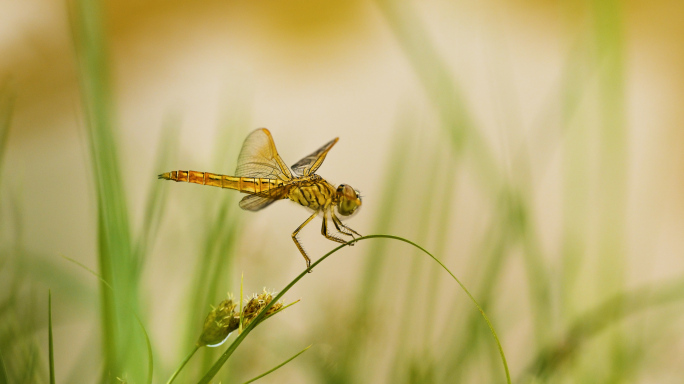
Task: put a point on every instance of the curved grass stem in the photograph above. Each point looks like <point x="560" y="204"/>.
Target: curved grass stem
<point x="233" y="346"/>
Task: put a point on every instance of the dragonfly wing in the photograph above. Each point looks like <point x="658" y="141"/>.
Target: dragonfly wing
<point x="259" y="158"/>
<point x="255" y="202"/>
<point x="263" y="199"/>
<point x="310" y="164"/>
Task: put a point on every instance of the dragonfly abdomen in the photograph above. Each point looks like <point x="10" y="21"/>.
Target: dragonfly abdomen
<point x="250" y="185"/>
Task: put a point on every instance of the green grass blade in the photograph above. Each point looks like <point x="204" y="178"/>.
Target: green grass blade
<point x="441" y="88"/>
<point x="150" y="357"/>
<point x="601" y="317"/>
<point x="460" y="126"/>
<point x="412" y="285"/>
<point x="615" y="162"/>
<point x="387" y="212"/>
<point x="51" y="352"/>
<point x="30" y="373"/>
<point x="277" y="366"/>
<point x="220" y="237"/>
<point x="6" y="111"/>
<point x="154" y="212"/>
<point x="100" y="278"/>
<point x="447" y="202"/>
<point x="376" y="256"/>
<point x="185" y="361"/>
<point x="3" y="371"/>
<point x="115" y="256"/>
<point x="242" y="299"/>
<point x="233" y="346"/>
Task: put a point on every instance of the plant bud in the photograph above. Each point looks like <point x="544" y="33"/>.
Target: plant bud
<point x="218" y="325"/>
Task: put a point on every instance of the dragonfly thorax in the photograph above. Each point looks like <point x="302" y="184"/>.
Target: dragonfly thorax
<point x="312" y="192"/>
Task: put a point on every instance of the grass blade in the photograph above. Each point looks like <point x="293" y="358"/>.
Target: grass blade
<point x="185" y="361"/>
<point x="411" y="287"/>
<point x="277" y="366"/>
<point x="116" y="263"/>
<point x="3" y="371"/>
<point x="592" y="322"/>
<point x="224" y="357"/>
<point x="154" y="204"/>
<point x="150" y="358"/>
<point x="442" y="90"/>
<point x="50" y="343"/>
<point x="5" y="120"/>
<point x="460" y="126"/>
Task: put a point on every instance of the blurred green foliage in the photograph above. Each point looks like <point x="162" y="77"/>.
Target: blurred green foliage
<point x="430" y="340"/>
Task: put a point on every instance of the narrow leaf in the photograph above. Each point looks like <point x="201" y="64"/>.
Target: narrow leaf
<point x="150" y="358"/>
<point x="3" y="370"/>
<point x="50" y="343"/>
<point x="277" y="366"/>
<point x="185" y="361"/>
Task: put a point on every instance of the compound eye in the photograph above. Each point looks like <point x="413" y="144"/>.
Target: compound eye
<point x="349" y="192"/>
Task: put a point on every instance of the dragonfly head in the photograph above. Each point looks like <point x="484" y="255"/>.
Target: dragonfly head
<point x="350" y="200"/>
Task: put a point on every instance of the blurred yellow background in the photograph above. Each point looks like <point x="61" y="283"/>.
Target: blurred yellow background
<point x="574" y="108"/>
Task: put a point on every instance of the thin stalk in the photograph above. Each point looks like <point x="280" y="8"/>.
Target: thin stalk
<point x="3" y="370"/>
<point x="460" y="126"/>
<point x="115" y="258"/>
<point x="242" y="282"/>
<point x="613" y="168"/>
<point x="5" y="120"/>
<point x="185" y="361"/>
<point x="278" y="366"/>
<point x="224" y="357"/>
<point x="374" y="264"/>
<point x="407" y="323"/>
<point x="51" y="352"/>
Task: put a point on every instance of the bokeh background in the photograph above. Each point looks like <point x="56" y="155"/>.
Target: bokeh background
<point x="536" y="148"/>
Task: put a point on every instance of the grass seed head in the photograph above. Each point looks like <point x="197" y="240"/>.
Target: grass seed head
<point x="220" y="322"/>
<point x="256" y="303"/>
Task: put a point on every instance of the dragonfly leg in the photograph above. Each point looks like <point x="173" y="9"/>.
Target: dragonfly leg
<point x="341" y="230"/>
<point x="340" y="227"/>
<point x="324" y="230"/>
<point x="299" y="246"/>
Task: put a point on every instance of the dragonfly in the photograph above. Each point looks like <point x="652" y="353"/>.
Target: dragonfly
<point x="262" y="174"/>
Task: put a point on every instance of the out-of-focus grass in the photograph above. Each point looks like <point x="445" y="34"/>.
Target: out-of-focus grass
<point x="551" y="359"/>
<point x="435" y="339"/>
<point x="51" y="347"/>
<point x="6" y="110"/>
<point x="278" y="366"/>
<point x="116" y="257"/>
<point x="3" y="370"/>
<point x="215" y="265"/>
<point x="346" y="369"/>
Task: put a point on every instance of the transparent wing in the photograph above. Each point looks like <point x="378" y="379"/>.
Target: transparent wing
<point x="263" y="199"/>
<point x="259" y="158"/>
<point x="310" y="164"/>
